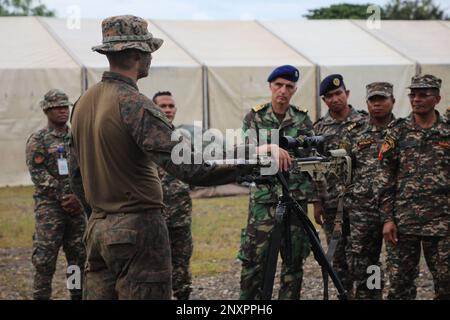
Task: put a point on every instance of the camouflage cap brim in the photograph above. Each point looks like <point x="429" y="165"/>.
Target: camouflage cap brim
<point x="45" y="105"/>
<point x="146" y="46"/>
<point x="422" y="86"/>
<point x="378" y="93"/>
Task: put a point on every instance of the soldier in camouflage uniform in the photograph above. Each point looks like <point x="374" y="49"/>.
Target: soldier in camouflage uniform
<point x="413" y="183"/>
<point x="340" y="116"/>
<point x="363" y="140"/>
<point x="60" y="221"/>
<point x="119" y="137"/>
<point x="255" y="239"/>
<point x="177" y="213"/>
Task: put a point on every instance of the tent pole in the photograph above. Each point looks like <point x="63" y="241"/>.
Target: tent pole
<point x="318" y="103"/>
<point x="205" y="90"/>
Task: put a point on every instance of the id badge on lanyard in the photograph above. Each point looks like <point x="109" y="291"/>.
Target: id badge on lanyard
<point x="63" y="167"/>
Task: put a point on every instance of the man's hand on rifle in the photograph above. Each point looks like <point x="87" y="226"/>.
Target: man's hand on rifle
<point x="281" y="156"/>
<point x="319" y="212"/>
<point x="390" y="232"/>
<point x="71" y="204"/>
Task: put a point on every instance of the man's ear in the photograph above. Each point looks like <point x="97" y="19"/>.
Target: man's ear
<point x="438" y="99"/>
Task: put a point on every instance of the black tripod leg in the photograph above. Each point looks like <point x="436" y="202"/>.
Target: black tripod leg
<point x="314" y="240"/>
<point x="270" y="266"/>
<point x="287" y="241"/>
<point x="319" y="255"/>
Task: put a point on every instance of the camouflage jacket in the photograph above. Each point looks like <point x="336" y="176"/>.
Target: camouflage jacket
<point x="363" y="140"/>
<point x="295" y="123"/>
<point x="177" y="201"/>
<point x="333" y="132"/>
<point x="414" y="175"/>
<point x="42" y="161"/>
<point x="112" y="120"/>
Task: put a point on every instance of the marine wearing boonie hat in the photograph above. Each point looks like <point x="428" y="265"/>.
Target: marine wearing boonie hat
<point x="126" y="32"/>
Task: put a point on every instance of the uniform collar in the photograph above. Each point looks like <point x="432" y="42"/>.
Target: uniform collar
<point x="411" y="121"/>
<point x="353" y="116"/>
<point x="372" y="127"/>
<point x="288" y="118"/>
<point x="108" y="75"/>
<point x="58" y="133"/>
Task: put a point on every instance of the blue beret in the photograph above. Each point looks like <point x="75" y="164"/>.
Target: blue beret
<point x="331" y="82"/>
<point x="286" y="72"/>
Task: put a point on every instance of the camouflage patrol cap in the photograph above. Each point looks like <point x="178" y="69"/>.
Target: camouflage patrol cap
<point x="425" y="81"/>
<point x="126" y="32"/>
<point x="54" y="98"/>
<point x="384" y="89"/>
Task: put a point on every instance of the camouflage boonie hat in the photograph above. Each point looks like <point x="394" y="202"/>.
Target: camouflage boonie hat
<point x="126" y="32"/>
<point x="384" y="89"/>
<point x="54" y="98"/>
<point x="425" y="81"/>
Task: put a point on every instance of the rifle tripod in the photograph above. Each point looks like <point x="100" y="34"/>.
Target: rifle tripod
<point x="286" y="206"/>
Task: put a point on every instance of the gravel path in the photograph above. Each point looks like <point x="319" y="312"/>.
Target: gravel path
<point x="16" y="280"/>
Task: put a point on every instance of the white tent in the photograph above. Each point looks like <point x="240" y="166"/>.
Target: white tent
<point x="339" y="46"/>
<point x="425" y="42"/>
<point x="172" y="68"/>
<point x="31" y="63"/>
<point x="239" y="56"/>
<point x="217" y="70"/>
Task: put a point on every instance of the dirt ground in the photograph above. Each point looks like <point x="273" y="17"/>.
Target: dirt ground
<point x="16" y="280"/>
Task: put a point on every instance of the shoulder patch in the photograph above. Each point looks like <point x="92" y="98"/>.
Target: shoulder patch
<point x="387" y="145"/>
<point x="38" y="158"/>
<point x="259" y="107"/>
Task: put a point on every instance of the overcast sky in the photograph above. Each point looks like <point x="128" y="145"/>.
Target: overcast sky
<point x="201" y="9"/>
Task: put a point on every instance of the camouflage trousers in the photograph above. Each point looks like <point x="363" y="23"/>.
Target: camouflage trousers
<point x="255" y="241"/>
<point x="55" y="228"/>
<point x="340" y="258"/>
<point x="403" y="265"/>
<point x="364" y="249"/>
<point x="128" y="257"/>
<point x="181" y="247"/>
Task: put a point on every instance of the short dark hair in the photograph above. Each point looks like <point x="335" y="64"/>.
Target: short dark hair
<point x="124" y="59"/>
<point x="161" y="93"/>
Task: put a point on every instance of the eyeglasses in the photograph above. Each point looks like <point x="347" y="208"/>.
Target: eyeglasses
<point x="420" y="95"/>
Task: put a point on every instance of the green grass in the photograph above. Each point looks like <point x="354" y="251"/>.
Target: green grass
<point x="216" y="227"/>
<point x="16" y="217"/>
<point x="217" y="223"/>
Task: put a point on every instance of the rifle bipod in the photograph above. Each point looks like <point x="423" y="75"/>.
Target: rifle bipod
<point x="286" y="206"/>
